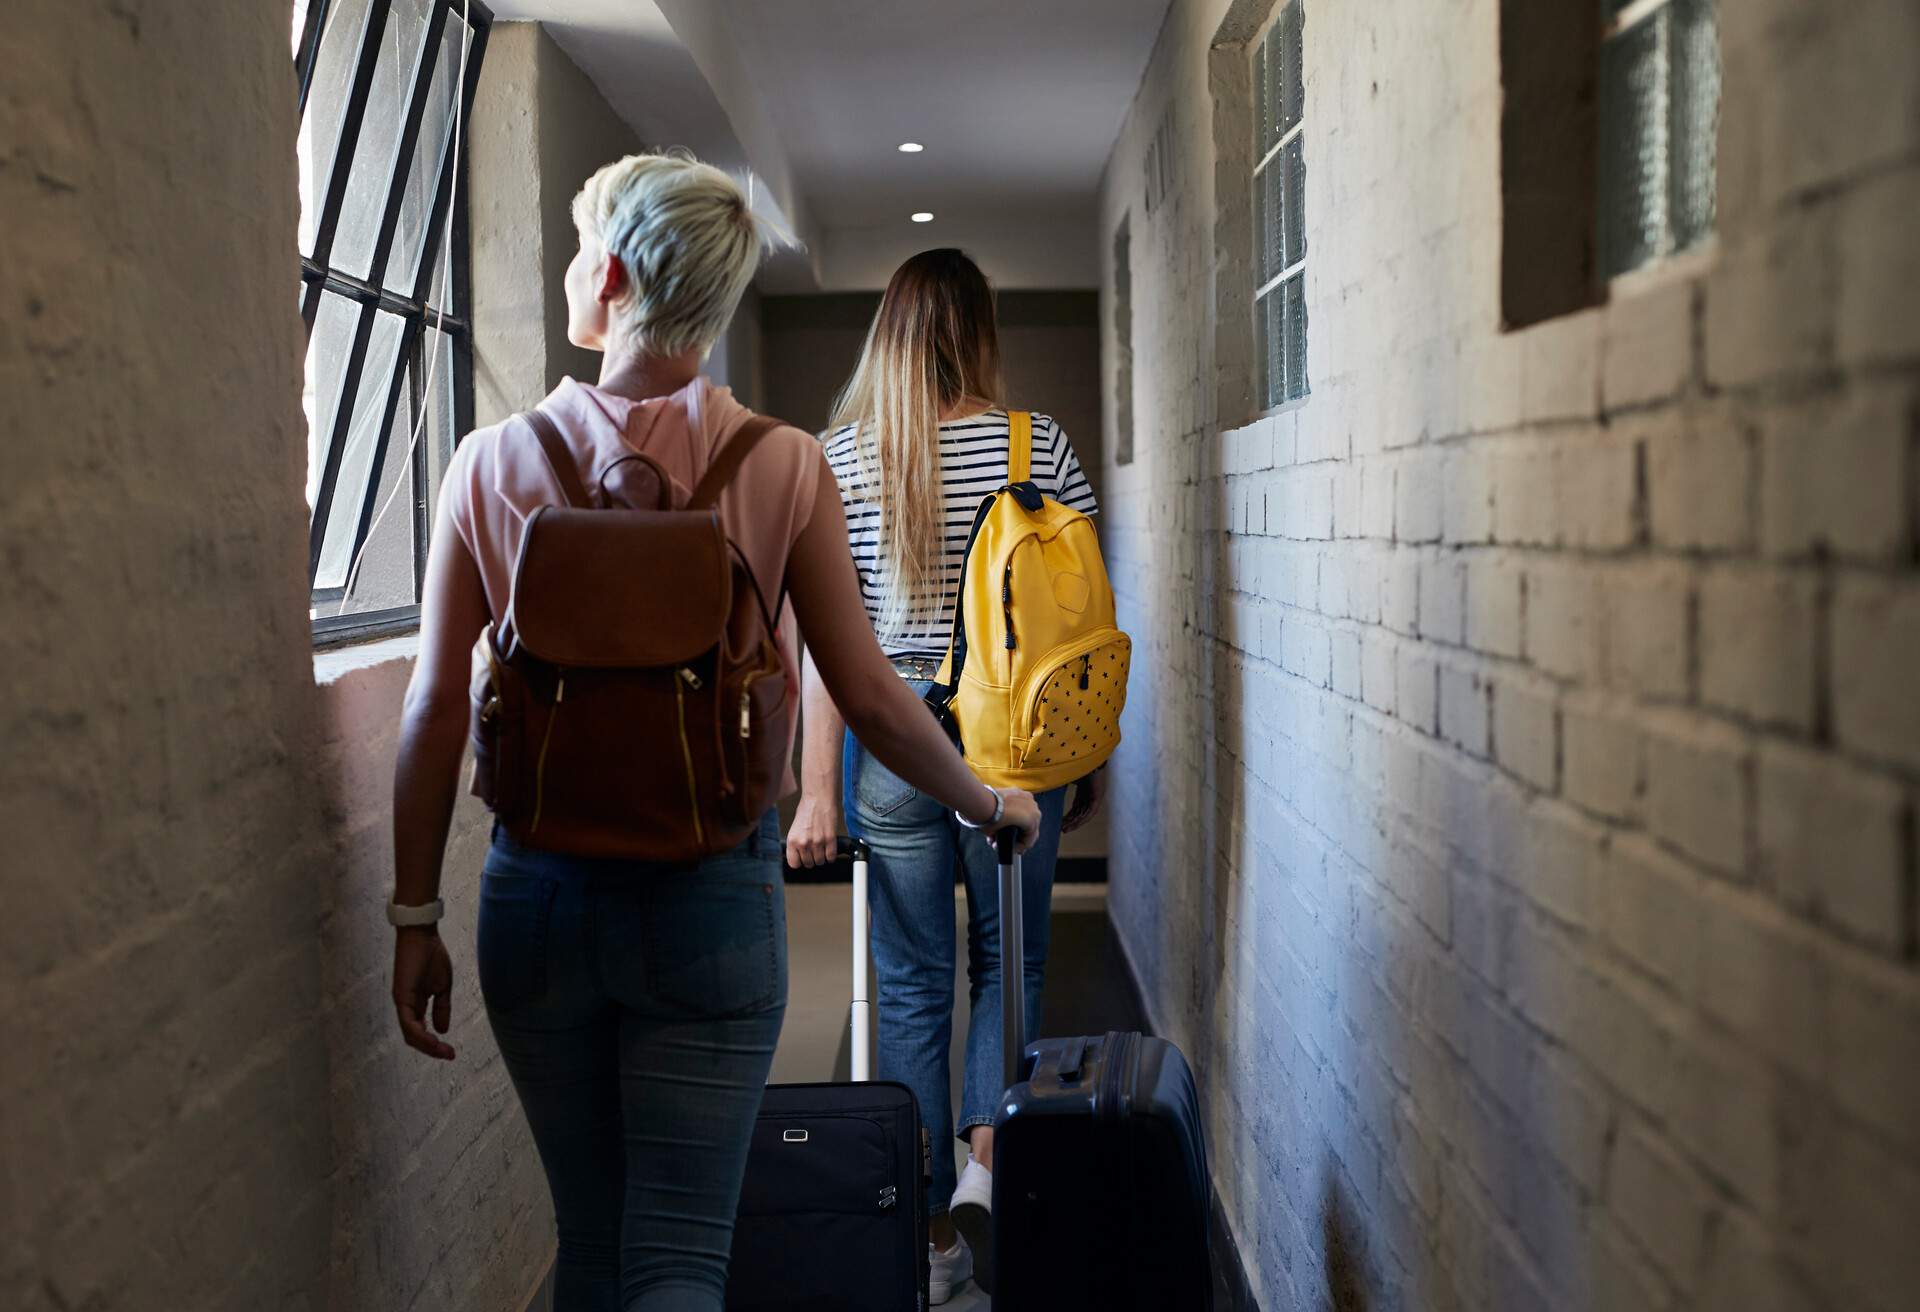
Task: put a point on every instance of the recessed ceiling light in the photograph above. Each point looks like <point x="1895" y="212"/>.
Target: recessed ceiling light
<point x="923" y="216"/>
<point x="911" y="148"/>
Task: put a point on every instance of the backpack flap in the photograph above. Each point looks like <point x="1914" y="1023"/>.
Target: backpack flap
<point x="621" y="588"/>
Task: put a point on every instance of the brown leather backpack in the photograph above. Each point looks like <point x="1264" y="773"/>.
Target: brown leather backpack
<point x="633" y="702"/>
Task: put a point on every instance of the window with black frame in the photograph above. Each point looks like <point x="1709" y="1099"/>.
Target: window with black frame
<point x="386" y="87"/>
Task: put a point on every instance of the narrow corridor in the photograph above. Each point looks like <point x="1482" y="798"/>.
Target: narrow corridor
<point x="1504" y="422"/>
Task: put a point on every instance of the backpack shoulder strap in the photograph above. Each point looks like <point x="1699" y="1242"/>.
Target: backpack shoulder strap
<point x="559" y="458"/>
<point x="728" y="462"/>
<point x="1019" y="446"/>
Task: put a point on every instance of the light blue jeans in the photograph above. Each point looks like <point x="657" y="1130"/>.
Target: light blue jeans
<point x="636" y="1007"/>
<point x="915" y="843"/>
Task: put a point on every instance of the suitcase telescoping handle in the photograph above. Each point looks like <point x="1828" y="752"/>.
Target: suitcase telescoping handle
<point x="860" y="1015"/>
<point x="1013" y="958"/>
<point x="1013" y="948"/>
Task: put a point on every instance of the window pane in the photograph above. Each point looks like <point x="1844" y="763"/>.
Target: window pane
<point x="362" y="436"/>
<point x="441" y="433"/>
<point x="320" y="393"/>
<point x="1294" y="106"/>
<point x="1261" y="271"/>
<point x="1276" y="348"/>
<point x="1633" y="145"/>
<point x="1696" y="118"/>
<point x="411" y="476"/>
<point x="326" y="101"/>
<point x="386" y="573"/>
<point x="436" y="128"/>
<point x="1273" y="180"/>
<point x="1262" y="385"/>
<point x="1296" y="202"/>
<point x="441" y="296"/>
<point x="1295" y="290"/>
<point x="366" y="197"/>
<point x="299" y="23"/>
<point x="1276" y="91"/>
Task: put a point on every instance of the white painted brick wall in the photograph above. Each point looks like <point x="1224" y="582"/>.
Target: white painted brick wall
<point x="1534" y="883"/>
<point x="1748" y="612"/>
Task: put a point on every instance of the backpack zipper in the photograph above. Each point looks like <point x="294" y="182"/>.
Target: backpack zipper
<point x="688" y="679"/>
<point x="1006" y="601"/>
<point x="746" y="703"/>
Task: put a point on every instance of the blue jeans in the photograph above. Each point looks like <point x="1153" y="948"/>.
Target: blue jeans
<point x="636" y="1007"/>
<point x="915" y="842"/>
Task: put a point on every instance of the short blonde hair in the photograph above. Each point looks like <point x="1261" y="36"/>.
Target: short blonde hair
<point x="688" y="239"/>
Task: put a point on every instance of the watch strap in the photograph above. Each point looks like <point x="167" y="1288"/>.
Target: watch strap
<point x="405" y="917"/>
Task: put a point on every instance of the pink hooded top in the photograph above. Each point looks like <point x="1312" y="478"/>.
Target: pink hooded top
<point x="499" y="476"/>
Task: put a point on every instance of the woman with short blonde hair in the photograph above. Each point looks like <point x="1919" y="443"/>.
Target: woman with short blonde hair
<point x="636" y="1004"/>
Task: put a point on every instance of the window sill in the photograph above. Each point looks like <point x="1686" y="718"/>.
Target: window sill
<point x="1682" y="266"/>
<point x="1273" y="412"/>
<point x="332" y="664"/>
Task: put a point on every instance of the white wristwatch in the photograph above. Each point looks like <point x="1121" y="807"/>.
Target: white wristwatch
<point x="403" y="917"/>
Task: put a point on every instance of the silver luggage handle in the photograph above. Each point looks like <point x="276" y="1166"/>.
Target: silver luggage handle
<point x="1013" y="949"/>
<point x="860" y="1014"/>
<point x="1013" y="958"/>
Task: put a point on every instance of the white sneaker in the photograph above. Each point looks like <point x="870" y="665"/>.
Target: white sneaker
<point x="972" y="1211"/>
<point x="951" y="1270"/>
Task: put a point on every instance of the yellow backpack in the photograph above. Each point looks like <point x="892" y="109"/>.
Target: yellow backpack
<point x="1036" y="673"/>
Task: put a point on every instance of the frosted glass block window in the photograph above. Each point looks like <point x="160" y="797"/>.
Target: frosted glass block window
<point x="1279" y="211"/>
<point x="1659" y="118"/>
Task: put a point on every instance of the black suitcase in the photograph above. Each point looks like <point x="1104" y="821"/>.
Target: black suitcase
<point x="833" y="1213"/>
<point x="1101" y="1196"/>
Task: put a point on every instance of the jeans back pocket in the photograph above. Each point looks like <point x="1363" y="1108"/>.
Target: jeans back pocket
<point x="716" y="948"/>
<point x="515" y="912"/>
<point x="877" y="790"/>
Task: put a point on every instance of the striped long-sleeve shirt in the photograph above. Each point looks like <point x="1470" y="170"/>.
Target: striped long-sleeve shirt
<point x="973" y="463"/>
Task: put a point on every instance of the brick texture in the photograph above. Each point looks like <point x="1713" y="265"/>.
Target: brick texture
<point x="1551" y="942"/>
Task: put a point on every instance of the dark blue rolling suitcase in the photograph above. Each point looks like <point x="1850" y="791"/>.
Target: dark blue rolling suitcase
<point x="833" y="1212"/>
<point x="1101" y="1196"/>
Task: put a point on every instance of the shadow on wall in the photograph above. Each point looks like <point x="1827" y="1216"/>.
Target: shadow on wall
<point x="438" y="1195"/>
<point x="1341" y="1241"/>
<point x="1286" y="885"/>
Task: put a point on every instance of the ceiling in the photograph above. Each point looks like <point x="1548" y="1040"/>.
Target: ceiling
<point x="1017" y="102"/>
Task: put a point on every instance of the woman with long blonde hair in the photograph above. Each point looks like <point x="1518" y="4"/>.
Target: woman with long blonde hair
<point x="919" y="437"/>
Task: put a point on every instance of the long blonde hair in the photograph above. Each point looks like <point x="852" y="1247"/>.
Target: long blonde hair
<point x="933" y="344"/>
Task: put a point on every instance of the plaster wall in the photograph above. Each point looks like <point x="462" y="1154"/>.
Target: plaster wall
<point x="1515" y="821"/>
<point x="205" y="1102"/>
<point x="540" y="129"/>
<point x="738" y="359"/>
<point x="165" y="1095"/>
